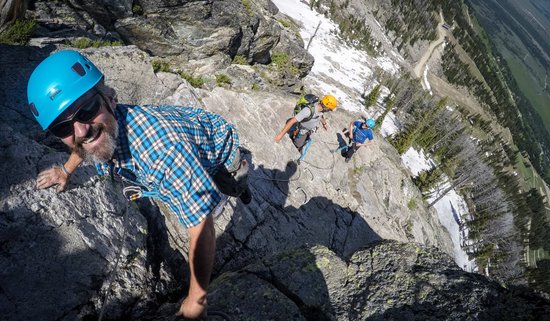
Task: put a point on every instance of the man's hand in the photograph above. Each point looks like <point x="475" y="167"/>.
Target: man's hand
<point x="192" y="309"/>
<point x="52" y="176"/>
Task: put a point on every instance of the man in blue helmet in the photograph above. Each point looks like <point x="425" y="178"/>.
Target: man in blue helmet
<point x="185" y="157"/>
<point x="359" y="134"/>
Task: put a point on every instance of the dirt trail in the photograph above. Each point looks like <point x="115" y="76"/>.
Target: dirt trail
<point x="441" y="36"/>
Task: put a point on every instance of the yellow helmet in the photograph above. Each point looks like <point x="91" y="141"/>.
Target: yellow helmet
<point x="329" y="102"/>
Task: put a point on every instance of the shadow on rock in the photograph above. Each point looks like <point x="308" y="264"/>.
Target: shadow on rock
<point x="385" y="280"/>
<point x="16" y="66"/>
<point x="45" y="275"/>
<point x="317" y="238"/>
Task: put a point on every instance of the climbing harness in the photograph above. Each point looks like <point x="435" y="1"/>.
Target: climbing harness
<point x="136" y="190"/>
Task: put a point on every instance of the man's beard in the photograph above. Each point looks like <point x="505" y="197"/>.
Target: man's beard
<point x="104" y="152"/>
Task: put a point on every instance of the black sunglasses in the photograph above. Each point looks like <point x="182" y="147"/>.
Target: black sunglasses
<point x="80" y="111"/>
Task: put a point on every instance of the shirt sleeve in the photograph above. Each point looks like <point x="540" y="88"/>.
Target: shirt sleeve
<point x="185" y="185"/>
<point x="370" y="135"/>
<point x="303" y="114"/>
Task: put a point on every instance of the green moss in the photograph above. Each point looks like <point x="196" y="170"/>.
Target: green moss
<point x="196" y="82"/>
<point x="82" y="43"/>
<point x="222" y="80"/>
<point x="279" y="60"/>
<point x="247" y="6"/>
<point x="294" y="71"/>
<point x="19" y="32"/>
<point x="358" y="170"/>
<point x="412" y="204"/>
<point x="137" y="9"/>
<point x="240" y="60"/>
<point x="285" y="23"/>
<point x="159" y="65"/>
<point x="255" y="87"/>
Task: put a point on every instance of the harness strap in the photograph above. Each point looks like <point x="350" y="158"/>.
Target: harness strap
<point x="136" y="190"/>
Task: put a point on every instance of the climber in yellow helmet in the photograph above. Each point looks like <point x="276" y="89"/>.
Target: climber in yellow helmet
<point x="307" y="115"/>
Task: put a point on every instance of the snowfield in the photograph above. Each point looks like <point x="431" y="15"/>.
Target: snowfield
<point x="339" y="69"/>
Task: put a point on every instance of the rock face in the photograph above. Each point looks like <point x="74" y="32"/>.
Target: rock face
<point x="299" y="251"/>
<point x="190" y="33"/>
<point x="86" y="252"/>
<point x="11" y="10"/>
<point x="384" y="281"/>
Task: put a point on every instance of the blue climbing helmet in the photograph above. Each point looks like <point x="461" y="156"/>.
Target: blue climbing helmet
<point x="57" y="82"/>
<point x="370" y="122"/>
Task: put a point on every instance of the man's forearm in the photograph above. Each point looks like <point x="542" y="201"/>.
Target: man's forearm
<point x="285" y="129"/>
<point x="288" y="125"/>
<point x="73" y="162"/>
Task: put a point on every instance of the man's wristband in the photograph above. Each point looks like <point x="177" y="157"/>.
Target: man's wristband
<point x="64" y="170"/>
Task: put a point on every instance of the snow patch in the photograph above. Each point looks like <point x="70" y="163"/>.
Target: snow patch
<point x="339" y="69"/>
<point x="416" y="161"/>
<point x="451" y="210"/>
<point x="389" y="125"/>
<point x="425" y="82"/>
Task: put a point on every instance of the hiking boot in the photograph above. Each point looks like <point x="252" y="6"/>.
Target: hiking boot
<point x="246" y="196"/>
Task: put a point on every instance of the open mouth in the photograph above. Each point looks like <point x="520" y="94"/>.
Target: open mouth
<point x="93" y="134"/>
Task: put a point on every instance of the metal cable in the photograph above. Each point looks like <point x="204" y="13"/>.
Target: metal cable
<point x="115" y="269"/>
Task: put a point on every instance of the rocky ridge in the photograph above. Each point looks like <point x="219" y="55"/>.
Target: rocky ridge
<point x="301" y="250"/>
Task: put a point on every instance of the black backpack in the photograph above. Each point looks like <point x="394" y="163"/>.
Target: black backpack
<point x="306" y="101"/>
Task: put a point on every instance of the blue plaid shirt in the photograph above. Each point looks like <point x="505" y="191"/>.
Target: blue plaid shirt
<point x="173" y="151"/>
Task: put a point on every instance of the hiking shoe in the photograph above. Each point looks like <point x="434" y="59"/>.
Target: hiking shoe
<point x="246" y="196"/>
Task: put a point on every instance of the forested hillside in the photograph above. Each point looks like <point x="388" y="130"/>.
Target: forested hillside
<point x="507" y="218"/>
<point x="519" y="31"/>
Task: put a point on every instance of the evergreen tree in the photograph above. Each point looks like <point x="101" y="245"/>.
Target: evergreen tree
<point x="372" y="97"/>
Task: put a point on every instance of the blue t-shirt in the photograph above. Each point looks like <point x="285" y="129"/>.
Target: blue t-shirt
<point x="360" y="135"/>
